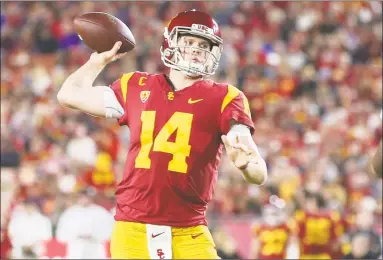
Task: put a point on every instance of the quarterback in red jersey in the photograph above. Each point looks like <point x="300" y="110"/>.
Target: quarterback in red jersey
<point x="178" y="124"/>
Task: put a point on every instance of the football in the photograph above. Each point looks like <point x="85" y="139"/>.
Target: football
<point x="100" y="31"/>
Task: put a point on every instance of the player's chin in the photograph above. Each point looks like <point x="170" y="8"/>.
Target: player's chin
<point x="194" y="77"/>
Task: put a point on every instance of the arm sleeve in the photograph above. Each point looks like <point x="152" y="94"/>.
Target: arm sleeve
<point x="235" y="107"/>
<point x="120" y="89"/>
<point x="113" y="107"/>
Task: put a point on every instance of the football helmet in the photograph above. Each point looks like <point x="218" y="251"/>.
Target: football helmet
<point x="194" y="23"/>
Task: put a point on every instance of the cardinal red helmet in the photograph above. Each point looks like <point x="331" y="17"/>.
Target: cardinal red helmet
<point x="194" y="23"/>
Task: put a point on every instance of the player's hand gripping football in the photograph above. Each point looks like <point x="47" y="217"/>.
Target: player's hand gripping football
<point x="238" y="150"/>
<point x="106" y="57"/>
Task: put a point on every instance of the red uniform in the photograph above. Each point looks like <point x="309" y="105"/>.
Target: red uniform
<point x="318" y="233"/>
<point x="175" y="146"/>
<point x="101" y="176"/>
<point x="273" y="240"/>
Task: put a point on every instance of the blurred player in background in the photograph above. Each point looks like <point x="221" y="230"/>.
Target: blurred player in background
<point x="318" y="230"/>
<point x="271" y="238"/>
<point x="177" y="124"/>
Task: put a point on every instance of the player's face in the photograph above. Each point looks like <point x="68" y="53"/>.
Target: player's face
<point x="194" y="49"/>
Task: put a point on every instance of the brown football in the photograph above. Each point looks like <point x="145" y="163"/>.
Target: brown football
<point x="100" y="31"/>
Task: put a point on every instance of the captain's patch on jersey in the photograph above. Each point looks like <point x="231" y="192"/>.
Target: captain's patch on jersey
<point x="144" y="95"/>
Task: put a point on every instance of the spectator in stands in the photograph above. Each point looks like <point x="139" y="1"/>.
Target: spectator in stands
<point x="365" y="233"/>
<point x="82" y="149"/>
<point x="377" y="159"/>
<point x="361" y="247"/>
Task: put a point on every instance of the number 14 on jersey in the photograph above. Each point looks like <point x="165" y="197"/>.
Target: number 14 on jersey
<point x="180" y="149"/>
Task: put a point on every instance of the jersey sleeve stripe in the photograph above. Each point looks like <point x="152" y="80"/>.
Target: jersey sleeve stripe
<point x="124" y="84"/>
<point x="232" y="92"/>
<point x="246" y="106"/>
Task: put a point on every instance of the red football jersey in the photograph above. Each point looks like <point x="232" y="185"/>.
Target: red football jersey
<point x="101" y="176"/>
<point x="318" y="232"/>
<point x="175" y="146"/>
<point x="273" y="240"/>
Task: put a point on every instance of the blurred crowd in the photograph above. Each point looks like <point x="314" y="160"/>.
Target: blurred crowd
<point x="312" y="72"/>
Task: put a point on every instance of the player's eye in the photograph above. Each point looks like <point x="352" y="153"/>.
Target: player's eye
<point x="204" y="46"/>
<point x="188" y="42"/>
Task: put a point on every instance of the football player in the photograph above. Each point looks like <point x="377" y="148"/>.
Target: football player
<point x="272" y="236"/>
<point x="178" y="124"/>
<point x="317" y="229"/>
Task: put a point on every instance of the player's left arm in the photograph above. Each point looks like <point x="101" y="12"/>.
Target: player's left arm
<point x="244" y="154"/>
<point x="236" y="122"/>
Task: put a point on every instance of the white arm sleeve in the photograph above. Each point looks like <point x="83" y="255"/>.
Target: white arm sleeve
<point x="111" y="104"/>
<point x="243" y="133"/>
<point x="238" y="130"/>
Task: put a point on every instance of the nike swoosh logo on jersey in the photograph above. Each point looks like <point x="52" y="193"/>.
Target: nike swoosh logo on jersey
<point x="156" y="235"/>
<point x="195" y="236"/>
<point x="190" y="101"/>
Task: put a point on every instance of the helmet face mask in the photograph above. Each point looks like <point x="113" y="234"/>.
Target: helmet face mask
<point x="195" y="48"/>
<point x="193" y="61"/>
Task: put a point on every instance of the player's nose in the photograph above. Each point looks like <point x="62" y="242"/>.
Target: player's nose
<point x="195" y="50"/>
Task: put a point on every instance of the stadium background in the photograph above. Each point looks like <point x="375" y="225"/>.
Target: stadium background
<point x="312" y="73"/>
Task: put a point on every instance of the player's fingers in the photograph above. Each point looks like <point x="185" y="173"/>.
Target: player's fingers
<point x="226" y="143"/>
<point x="230" y="151"/>
<point x="242" y="147"/>
<point x="114" y="50"/>
<point x="242" y="160"/>
<point x="120" y="55"/>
